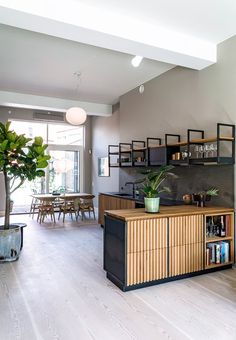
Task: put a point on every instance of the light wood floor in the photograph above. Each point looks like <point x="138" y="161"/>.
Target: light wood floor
<point x="58" y="290"/>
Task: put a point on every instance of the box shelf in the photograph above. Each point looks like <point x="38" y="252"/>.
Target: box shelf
<point x="219" y="250"/>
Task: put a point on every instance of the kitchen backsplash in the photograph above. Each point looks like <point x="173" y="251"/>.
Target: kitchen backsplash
<point x="191" y="179"/>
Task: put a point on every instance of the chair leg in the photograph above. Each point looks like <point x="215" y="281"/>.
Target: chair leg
<point x="32" y="212"/>
<point x="53" y="214"/>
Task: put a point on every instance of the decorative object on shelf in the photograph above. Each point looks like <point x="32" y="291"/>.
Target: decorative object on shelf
<point x="185" y="154"/>
<point x="76" y="116"/>
<point x="151" y="186"/>
<point x="187" y="198"/>
<point x="204" y="196"/>
<point x="19" y="161"/>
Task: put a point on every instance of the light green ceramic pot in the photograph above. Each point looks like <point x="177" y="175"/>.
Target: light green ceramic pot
<point x="152" y="204"/>
<point x="10" y="243"/>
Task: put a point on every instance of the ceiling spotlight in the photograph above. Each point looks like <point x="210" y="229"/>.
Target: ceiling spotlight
<point x="141" y="89"/>
<point x="136" y="61"/>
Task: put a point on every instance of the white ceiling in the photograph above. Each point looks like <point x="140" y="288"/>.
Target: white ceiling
<point x="44" y="65"/>
<point x="183" y="32"/>
<point x="210" y="20"/>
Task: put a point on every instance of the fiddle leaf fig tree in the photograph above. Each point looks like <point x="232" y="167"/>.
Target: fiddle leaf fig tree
<point x="21" y="159"/>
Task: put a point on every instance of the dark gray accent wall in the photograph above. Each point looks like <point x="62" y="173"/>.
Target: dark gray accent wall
<point x="192" y="179"/>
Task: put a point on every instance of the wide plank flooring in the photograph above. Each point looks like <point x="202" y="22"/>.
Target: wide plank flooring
<point x="58" y="290"/>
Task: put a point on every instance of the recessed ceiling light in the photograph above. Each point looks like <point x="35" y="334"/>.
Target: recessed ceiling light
<point x="136" y="61"/>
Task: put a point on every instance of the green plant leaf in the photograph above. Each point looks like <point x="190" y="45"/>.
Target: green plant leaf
<point x="38" y="141"/>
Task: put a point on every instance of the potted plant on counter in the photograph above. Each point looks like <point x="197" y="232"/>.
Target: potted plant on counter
<point x="203" y="196"/>
<point x="21" y="159"/>
<point x="152" y="186"/>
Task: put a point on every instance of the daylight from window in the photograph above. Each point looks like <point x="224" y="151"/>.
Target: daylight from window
<point x="65" y="145"/>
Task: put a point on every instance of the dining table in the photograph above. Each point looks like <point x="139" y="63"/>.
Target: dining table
<point x="53" y="197"/>
<point x="56" y="200"/>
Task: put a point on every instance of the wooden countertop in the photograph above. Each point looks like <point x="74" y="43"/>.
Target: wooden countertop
<point x="180" y="210"/>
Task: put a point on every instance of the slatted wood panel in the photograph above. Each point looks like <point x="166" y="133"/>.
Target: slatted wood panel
<point x="186" y="240"/>
<point x="146" y="250"/>
<point x="107" y="202"/>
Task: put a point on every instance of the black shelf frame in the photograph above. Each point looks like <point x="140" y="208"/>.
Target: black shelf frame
<point x="125" y="152"/>
<point x="141" y="153"/>
<point x="152" y="149"/>
<point x="112" y="152"/>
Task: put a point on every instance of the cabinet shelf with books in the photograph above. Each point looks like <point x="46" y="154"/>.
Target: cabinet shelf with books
<point x="219" y="240"/>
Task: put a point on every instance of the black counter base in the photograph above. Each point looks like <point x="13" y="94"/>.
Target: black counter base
<point x="125" y="288"/>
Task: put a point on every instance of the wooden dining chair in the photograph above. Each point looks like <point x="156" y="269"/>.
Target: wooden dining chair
<point x="67" y="207"/>
<point x="34" y="207"/>
<point x="86" y="205"/>
<point x="46" y="208"/>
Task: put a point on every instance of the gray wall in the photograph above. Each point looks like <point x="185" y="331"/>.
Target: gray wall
<point x="180" y="99"/>
<point x="105" y="132"/>
<point x="183" y="98"/>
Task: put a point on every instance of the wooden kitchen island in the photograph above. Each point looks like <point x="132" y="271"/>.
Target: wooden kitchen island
<point x="142" y="249"/>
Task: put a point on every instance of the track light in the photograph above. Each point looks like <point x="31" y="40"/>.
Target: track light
<point x="136" y="61"/>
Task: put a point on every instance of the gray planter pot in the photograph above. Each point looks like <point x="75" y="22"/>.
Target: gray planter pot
<point x="152" y="205"/>
<point x="11" y="242"/>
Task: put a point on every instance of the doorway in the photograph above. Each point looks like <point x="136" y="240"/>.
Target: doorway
<point x="64" y="173"/>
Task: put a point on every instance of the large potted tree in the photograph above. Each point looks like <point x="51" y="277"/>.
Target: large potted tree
<point x="152" y="186"/>
<point x="21" y="159"/>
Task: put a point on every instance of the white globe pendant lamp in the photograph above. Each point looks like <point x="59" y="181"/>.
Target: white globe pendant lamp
<point x="76" y="116"/>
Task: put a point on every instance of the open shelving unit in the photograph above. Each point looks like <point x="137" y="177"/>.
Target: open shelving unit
<point x="219" y="250"/>
<point x="139" y="153"/>
<point x="221" y="155"/>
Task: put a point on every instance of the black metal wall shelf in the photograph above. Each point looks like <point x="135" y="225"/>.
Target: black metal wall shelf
<point x="193" y="151"/>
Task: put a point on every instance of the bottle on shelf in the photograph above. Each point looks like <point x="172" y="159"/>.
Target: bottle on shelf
<point x="211" y="227"/>
<point x="217" y="226"/>
<point x="222" y="227"/>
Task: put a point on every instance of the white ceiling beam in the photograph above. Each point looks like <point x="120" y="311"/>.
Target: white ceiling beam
<point x="28" y="101"/>
<point x="78" y="22"/>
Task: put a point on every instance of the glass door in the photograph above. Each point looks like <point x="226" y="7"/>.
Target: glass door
<point x="64" y="171"/>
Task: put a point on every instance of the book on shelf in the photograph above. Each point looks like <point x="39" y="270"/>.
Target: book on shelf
<point x="217" y="253"/>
